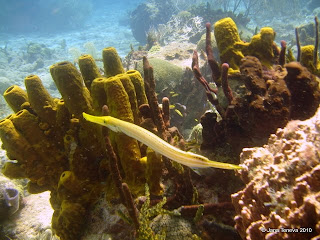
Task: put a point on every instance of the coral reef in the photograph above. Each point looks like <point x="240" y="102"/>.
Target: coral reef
<point x="281" y="196"/>
<point x="258" y="96"/>
<point x="82" y="164"/>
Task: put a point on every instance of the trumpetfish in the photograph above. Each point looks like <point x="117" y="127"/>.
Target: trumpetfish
<point x="157" y="144"/>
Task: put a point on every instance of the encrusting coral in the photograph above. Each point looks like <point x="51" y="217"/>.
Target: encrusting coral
<point x="281" y="196"/>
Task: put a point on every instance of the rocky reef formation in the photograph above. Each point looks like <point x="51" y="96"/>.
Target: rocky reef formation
<point x="257" y="92"/>
<point x="148" y="15"/>
<point x="281" y="196"/>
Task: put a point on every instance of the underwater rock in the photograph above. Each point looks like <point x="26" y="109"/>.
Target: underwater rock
<point x="36" y="51"/>
<point x="148" y="15"/>
<point x="281" y="197"/>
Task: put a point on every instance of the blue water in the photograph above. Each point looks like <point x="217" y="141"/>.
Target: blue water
<point x="26" y="16"/>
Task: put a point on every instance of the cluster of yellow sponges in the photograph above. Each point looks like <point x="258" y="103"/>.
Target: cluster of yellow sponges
<point x="57" y="150"/>
<point x="232" y="49"/>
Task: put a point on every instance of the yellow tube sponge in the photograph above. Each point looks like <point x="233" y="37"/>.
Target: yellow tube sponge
<point x="13" y="170"/>
<point x="62" y="117"/>
<point x="111" y="62"/>
<point x="15" y="97"/>
<point x="41" y="101"/>
<point x="127" y="148"/>
<point x="227" y="37"/>
<point x="77" y="99"/>
<point x="98" y="94"/>
<point x="138" y="83"/>
<point x="70" y="182"/>
<point x="16" y="145"/>
<point x="118" y="99"/>
<point x="129" y="87"/>
<point x="88" y="69"/>
<point x="18" y="148"/>
<point x="51" y="157"/>
<point x="70" y="84"/>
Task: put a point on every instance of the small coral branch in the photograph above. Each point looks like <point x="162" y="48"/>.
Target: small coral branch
<point x="123" y="188"/>
<point x="152" y="98"/>
<point x="316" y="44"/>
<point x="282" y="57"/>
<point x="113" y="161"/>
<point x="166" y="111"/>
<point x="215" y="70"/>
<point x="225" y="85"/>
<point x="209" y="91"/>
<point x="198" y="75"/>
<point x="133" y="212"/>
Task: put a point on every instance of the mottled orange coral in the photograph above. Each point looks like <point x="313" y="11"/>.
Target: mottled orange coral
<point x="282" y="185"/>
